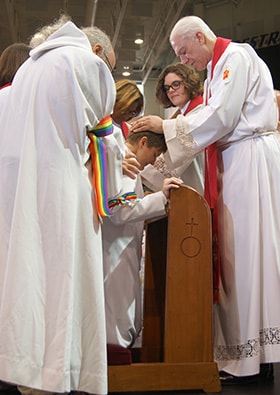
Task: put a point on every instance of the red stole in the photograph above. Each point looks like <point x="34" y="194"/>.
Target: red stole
<point x="211" y="184"/>
<point x="4" y="86"/>
<point x="125" y="129"/>
<point x="196" y="101"/>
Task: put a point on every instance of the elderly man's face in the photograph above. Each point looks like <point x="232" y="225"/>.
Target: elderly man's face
<point x="191" y="50"/>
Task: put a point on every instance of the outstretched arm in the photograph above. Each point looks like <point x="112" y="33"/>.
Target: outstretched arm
<point x="149" y="122"/>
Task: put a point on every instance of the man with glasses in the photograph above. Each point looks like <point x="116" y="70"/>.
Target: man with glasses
<point x="52" y="321"/>
<point x="101" y="45"/>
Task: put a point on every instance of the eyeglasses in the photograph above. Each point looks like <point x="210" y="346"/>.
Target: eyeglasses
<point x="107" y="61"/>
<point x="175" y="85"/>
<point x="132" y="113"/>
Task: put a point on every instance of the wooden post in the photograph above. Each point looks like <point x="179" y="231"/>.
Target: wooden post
<point x="189" y="281"/>
<point x="177" y="351"/>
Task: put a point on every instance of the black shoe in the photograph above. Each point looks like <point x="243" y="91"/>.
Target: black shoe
<point x="266" y="372"/>
<point x="6" y="387"/>
<point x="266" y="375"/>
<point x="230" y="379"/>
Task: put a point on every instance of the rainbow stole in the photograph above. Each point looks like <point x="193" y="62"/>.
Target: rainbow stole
<point x="99" y="163"/>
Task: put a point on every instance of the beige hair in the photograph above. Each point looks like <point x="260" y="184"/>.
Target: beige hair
<point x="127" y="92"/>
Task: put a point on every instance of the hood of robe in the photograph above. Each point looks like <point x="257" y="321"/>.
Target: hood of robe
<point x="67" y="35"/>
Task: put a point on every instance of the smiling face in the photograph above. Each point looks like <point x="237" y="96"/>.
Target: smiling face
<point x="192" y="50"/>
<point x="178" y="96"/>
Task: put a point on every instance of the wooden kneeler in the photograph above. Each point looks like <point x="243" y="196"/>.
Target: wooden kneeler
<point x="177" y="352"/>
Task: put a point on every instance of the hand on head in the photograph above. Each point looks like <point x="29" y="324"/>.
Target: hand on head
<point x="149" y="122"/>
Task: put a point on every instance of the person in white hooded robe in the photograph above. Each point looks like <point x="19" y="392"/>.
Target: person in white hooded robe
<point x="240" y="116"/>
<point x="52" y="317"/>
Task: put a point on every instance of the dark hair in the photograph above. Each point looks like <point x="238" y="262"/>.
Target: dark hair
<point x="11" y="58"/>
<point x="191" y="78"/>
<point x="153" y="139"/>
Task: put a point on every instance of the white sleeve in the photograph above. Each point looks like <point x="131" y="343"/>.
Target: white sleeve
<point x="138" y="208"/>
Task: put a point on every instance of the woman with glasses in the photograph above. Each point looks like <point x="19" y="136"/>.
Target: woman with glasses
<point x="178" y="86"/>
<point x="52" y="319"/>
<point x="129" y="104"/>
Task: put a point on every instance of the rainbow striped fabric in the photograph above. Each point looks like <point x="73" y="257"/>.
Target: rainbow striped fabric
<point x="129" y="199"/>
<point x="97" y="149"/>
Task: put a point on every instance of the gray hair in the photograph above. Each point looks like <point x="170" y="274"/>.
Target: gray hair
<point x="93" y="33"/>
<point x="189" y="25"/>
<point x="98" y="36"/>
<point x="42" y="34"/>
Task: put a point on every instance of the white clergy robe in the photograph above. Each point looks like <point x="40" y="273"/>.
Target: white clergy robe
<point x="52" y="316"/>
<point x="241" y="116"/>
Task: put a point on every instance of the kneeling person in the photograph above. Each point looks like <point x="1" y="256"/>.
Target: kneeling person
<point x="122" y="241"/>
